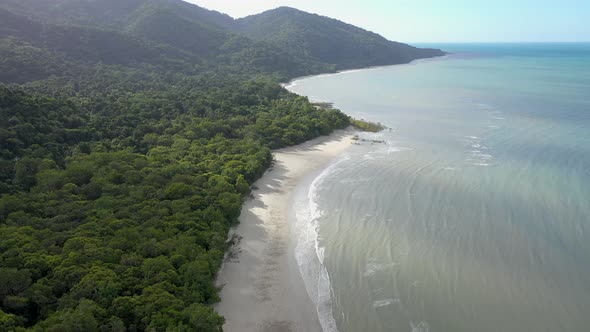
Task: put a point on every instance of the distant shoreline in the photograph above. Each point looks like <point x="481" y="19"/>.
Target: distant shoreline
<point x="353" y="70"/>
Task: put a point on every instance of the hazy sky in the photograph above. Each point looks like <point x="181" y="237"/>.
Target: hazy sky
<point x="441" y="20"/>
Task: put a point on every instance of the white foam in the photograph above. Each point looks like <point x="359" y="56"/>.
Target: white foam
<point x="484" y="106"/>
<point x="309" y="254"/>
<point x="420" y="327"/>
<point x="392" y="149"/>
<point x="351" y="71"/>
<point x="384" y="303"/>
<point x="373" y="267"/>
<point x="290" y="85"/>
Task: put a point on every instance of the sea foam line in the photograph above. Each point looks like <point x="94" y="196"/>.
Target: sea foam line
<point x="309" y="254"/>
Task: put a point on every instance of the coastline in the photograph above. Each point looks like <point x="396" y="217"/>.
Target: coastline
<point x="261" y="272"/>
<point x="291" y="82"/>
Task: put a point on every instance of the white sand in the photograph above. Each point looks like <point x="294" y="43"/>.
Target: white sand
<point x="262" y="286"/>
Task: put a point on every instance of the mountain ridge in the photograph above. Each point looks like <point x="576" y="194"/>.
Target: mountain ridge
<point x="328" y="40"/>
<point x="306" y="43"/>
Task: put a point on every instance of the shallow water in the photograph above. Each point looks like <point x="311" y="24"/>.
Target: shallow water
<point x="475" y="216"/>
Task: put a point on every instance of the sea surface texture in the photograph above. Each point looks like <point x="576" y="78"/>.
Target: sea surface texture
<point x="475" y="213"/>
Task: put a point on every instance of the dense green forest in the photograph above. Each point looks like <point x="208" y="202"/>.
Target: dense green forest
<point x="130" y="134"/>
<point x="115" y="208"/>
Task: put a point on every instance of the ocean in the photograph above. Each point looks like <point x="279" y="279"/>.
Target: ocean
<point x="475" y="213"/>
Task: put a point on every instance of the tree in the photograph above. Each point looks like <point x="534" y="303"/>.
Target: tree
<point x="201" y="318"/>
<point x="8" y="322"/>
<point x="13" y="281"/>
<point x="100" y="285"/>
<point x="242" y="185"/>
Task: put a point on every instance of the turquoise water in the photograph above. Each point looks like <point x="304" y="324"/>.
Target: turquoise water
<point x="475" y="216"/>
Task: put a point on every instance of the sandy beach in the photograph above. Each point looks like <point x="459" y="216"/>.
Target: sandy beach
<point x="262" y="288"/>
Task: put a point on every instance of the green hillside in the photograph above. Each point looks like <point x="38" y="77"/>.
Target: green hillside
<point x="175" y="35"/>
<point x="328" y="40"/>
<point x="109" y="13"/>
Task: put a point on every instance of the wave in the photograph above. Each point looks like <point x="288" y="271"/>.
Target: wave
<point x="310" y="255"/>
<point x="290" y="85"/>
<point x="385" y="303"/>
<point x="420" y="327"/>
<point x="484" y="106"/>
<point x="391" y="150"/>
<point x="374" y="266"/>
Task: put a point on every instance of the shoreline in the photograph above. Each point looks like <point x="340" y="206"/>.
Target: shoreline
<point x="286" y="85"/>
<point x="260" y="271"/>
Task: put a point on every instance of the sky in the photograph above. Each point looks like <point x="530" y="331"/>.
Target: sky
<point x="441" y="20"/>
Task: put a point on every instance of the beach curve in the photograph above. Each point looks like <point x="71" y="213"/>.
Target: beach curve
<point x="261" y="285"/>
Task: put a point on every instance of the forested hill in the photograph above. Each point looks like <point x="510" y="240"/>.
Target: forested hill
<point x="130" y="134"/>
<point x="173" y="35"/>
<point x="328" y="40"/>
<point x="116" y="14"/>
